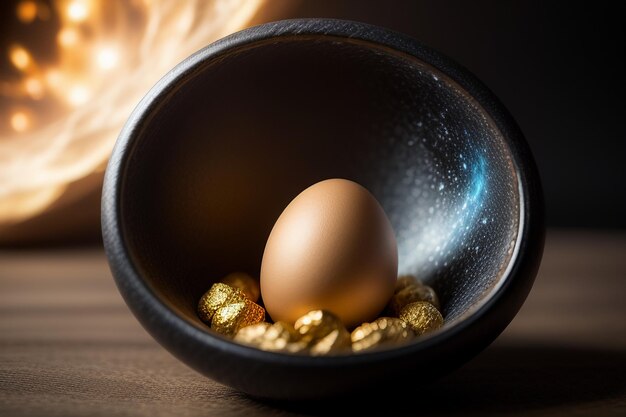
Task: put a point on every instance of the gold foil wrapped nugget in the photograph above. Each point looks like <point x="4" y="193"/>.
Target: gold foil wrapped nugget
<point x="232" y="317"/>
<point x="277" y="337"/>
<point x="317" y="333"/>
<point x="244" y="282"/>
<point x="410" y="294"/>
<point x="422" y="317"/>
<point x="229" y="307"/>
<point x="253" y="334"/>
<point x="322" y="332"/>
<point x="406" y="280"/>
<point x="218" y="296"/>
<point x="382" y="331"/>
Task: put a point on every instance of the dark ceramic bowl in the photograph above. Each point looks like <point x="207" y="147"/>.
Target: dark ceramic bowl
<point x="216" y="150"/>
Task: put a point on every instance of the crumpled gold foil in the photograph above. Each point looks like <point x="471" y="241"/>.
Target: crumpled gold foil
<point x="248" y="285"/>
<point x="219" y="295"/>
<point x="277" y="337"/>
<point x="410" y="294"/>
<point x="229" y="307"/>
<point x="422" y="317"/>
<point x="382" y="331"/>
<point x="322" y="332"/>
<point x="406" y="280"/>
<point x="230" y="318"/>
<point x="253" y="334"/>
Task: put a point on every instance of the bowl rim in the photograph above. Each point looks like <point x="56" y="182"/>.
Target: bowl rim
<point x="498" y="309"/>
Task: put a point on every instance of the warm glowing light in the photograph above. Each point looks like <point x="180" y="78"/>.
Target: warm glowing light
<point x="67" y="37"/>
<point x="77" y="11"/>
<point x="66" y="138"/>
<point x="78" y="94"/>
<point x="34" y="88"/>
<point x="19" y="57"/>
<point x="20" y="121"/>
<point x="27" y="11"/>
<point x="53" y="78"/>
<point x="107" y="58"/>
<point x="28" y="204"/>
<point x="185" y="21"/>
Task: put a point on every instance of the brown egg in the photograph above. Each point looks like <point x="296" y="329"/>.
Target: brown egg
<point x="332" y="249"/>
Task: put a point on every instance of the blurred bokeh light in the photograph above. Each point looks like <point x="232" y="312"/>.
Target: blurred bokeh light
<point x="71" y="72"/>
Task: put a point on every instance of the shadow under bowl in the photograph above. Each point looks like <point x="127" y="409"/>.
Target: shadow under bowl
<point x="218" y="148"/>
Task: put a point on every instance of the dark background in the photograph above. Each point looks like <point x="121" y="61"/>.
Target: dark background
<point x="557" y="66"/>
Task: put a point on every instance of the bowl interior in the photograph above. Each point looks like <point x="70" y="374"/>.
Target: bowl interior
<point x="220" y="155"/>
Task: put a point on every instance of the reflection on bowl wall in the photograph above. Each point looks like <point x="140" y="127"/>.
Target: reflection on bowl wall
<point x="221" y="145"/>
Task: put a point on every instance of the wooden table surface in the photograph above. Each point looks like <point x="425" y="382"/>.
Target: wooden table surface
<point x="70" y="347"/>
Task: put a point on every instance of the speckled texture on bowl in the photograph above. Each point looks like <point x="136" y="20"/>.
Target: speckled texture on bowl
<point x="216" y="150"/>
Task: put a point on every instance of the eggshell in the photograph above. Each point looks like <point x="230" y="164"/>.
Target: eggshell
<point x="332" y="248"/>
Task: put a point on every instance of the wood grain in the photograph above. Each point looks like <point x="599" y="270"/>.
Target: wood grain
<point x="70" y="347"/>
